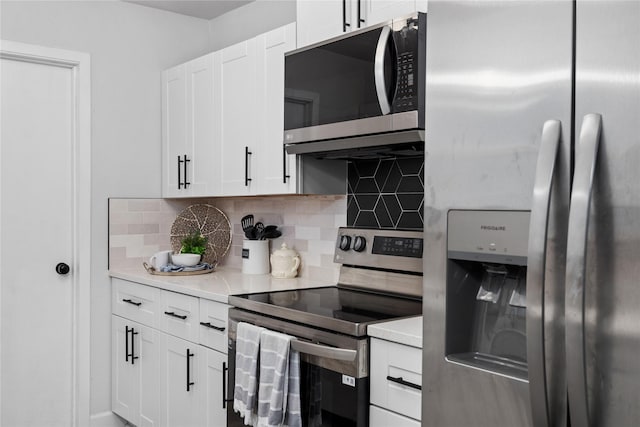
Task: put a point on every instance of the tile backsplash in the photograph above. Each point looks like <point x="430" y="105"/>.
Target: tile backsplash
<point x="386" y="193"/>
<point x="138" y="228"/>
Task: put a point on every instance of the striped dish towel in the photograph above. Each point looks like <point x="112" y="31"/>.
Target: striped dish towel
<point x="293" y="417"/>
<point x="246" y="383"/>
<point x="275" y="399"/>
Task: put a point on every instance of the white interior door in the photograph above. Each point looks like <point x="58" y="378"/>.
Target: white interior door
<point x="43" y="222"/>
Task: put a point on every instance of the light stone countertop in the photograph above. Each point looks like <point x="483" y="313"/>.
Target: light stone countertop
<point x="216" y="286"/>
<point x="406" y="331"/>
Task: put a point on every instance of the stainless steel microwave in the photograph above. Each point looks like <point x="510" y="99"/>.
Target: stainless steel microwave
<point x="363" y="89"/>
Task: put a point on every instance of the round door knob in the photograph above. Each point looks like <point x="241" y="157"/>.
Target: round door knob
<point x="62" y="268"/>
<point x="359" y="244"/>
<point x="345" y="243"/>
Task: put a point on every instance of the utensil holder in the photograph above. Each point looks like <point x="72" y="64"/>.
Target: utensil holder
<point x="255" y="256"/>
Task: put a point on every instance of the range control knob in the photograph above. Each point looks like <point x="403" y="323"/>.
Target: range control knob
<point x="359" y="244"/>
<point x="345" y="243"/>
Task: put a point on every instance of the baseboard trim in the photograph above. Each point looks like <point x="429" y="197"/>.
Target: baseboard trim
<point x="107" y="419"/>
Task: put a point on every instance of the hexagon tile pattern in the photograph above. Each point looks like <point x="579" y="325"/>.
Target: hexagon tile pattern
<point x="386" y="193"/>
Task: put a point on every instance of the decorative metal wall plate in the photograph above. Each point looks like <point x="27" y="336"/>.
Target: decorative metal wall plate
<point x="211" y="222"/>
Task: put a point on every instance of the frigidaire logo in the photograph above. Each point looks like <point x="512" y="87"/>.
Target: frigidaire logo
<point x="493" y="227"/>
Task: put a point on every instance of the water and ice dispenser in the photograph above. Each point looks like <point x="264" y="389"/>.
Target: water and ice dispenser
<point x="486" y="290"/>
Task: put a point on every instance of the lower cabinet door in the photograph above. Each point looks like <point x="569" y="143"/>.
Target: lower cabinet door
<point x="215" y="375"/>
<point x="125" y="390"/>
<point x="379" y="417"/>
<point x="181" y="382"/>
<point x="134" y="391"/>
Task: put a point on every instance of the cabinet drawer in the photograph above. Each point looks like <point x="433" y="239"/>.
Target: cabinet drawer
<point x="136" y="302"/>
<point x="379" y="417"/>
<point x="179" y="315"/>
<point x="213" y="324"/>
<point x="396" y="374"/>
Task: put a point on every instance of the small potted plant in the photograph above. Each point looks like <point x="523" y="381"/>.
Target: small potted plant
<point x="193" y="246"/>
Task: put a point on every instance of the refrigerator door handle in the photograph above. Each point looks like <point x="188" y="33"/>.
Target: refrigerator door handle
<point x="537" y="254"/>
<point x="586" y="157"/>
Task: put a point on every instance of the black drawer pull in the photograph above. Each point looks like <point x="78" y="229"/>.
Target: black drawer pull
<point x="209" y="325"/>
<point x="172" y="314"/>
<point x="399" y="380"/>
<point x="138" y="304"/>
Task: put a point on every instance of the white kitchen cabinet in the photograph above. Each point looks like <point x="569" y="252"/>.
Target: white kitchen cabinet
<point x="182" y="383"/>
<point x="319" y="20"/>
<point x="379" y="417"/>
<point x="214" y="372"/>
<point x="276" y="171"/>
<point x="214" y="317"/>
<point x="396" y="381"/>
<point x="251" y="81"/>
<point x="189" y="149"/>
<point x="223" y="126"/>
<point x="376" y="11"/>
<point x="161" y="374"/>
<point x="135" y="390"/>
<point x="239" y="110"/>
<point x="180" y="315"/>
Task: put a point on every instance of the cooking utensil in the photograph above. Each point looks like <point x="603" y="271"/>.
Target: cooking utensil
<point x="246" y="222"/>
<point x="249" y="233"/>
<point x="259" y="229"/>
<point x="273" y="234"/>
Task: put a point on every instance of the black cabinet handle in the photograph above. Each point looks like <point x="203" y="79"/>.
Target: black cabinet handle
<point x="225" y="369"/>
<point x="224" y="385"/>
<point x="186" y="183"/>
<point x="345" y="24"/>
<point x="126" y="343"/>
<point x="360" y="20"/>
<point x="172" y="314"/>
<point x="399" y="380"/>
<point x="133" y="351"/>
<point x="189" y="382"/>
<point x="247" y="153"/>
<point x="130" y="301"/>
<point x="209" y="325"/>
<point x="284" y="165"/>
<point x="186" y="162"/>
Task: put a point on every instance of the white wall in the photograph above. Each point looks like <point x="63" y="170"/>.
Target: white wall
<point x="129" y="46"/>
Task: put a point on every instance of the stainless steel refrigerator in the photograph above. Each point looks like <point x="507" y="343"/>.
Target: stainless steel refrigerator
<point x="531" y="298"/>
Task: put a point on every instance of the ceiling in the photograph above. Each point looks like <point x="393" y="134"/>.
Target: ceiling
<point x="205" y="9"/>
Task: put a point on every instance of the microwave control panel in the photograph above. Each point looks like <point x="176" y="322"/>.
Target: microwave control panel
<point x="407" y="82"/>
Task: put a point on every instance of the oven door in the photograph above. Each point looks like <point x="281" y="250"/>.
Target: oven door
<point x="334" y="381"/>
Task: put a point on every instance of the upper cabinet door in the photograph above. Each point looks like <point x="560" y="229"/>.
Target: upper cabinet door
<point x="174" y="129"/>
<point x="275" y="170"/>
<point x="239" y="106"/>
<point x="321" y="19"/>
<point x="203" y="170"/>
<point x="384" y="10"/>
<point x="190" y="150"/>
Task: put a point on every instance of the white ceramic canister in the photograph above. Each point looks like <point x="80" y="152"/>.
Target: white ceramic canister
<point x="255" y="256"/>
<point x="284" y="262"/>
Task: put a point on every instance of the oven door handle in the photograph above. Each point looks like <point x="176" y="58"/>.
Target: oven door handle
<point x="323" y="351"/>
